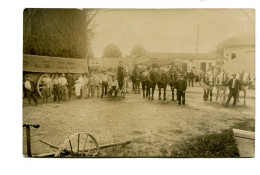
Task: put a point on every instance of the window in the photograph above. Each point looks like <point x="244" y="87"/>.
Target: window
<point x="233" y="55"/>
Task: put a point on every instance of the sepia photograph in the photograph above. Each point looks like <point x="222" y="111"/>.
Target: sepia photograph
<point x="138" y="83"/>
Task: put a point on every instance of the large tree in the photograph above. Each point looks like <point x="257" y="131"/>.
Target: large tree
<point x="59" y="32"/>
<point x="112" y="50"/>
<point x="138" y="50"/>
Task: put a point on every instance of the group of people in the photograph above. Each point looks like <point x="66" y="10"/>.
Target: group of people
<point x="86" y="85"/>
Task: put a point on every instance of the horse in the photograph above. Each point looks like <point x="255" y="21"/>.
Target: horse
<point x="136" y="78"/>
<point x="221" y="86"/>
<point x="245" y="80"/>
<point x="149" y="78"/>
<point x="144" y="82"/>
<point x="163" y="79"/>
<point x="174" y="76"/>
<point x="207" y="85"/>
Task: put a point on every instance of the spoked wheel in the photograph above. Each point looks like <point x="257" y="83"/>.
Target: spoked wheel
<point x="39" y="86"/>
<point x="79" y="145"/>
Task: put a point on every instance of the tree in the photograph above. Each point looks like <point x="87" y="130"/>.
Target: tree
<point x="112" y="50"/>
<point x="138" y="50"/>
<point x="59" y="32"/>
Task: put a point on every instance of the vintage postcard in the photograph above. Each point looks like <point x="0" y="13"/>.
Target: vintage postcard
<point x="139" y="83"/>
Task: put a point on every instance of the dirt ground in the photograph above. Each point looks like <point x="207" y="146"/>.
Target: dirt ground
<point x="154" y="127"/>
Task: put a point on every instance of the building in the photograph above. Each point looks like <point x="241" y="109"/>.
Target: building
<point x="241" y="45"/>
<point x="183" y="61"/>
<point x="240" y="52"/>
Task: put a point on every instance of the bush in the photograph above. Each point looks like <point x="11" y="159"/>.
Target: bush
<point x="213" y="145"/>
<point x="112" y="50"/>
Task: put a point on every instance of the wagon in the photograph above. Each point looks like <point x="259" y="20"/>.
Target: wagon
<point x="36" y="66"/>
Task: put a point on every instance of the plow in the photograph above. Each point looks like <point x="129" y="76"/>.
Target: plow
<point x="77" y="145"/>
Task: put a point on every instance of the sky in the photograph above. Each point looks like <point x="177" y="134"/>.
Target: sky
<point x="169" y="30"/>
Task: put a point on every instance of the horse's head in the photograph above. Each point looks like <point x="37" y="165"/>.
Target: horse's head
<point x="209" y="78"/>
<point x="245" y="78"/>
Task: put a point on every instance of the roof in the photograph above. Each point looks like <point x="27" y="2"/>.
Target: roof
<point x="168" y="58"/>
<point x="239" y="39"/>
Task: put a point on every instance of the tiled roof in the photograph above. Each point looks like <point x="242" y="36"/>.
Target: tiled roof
<point x="240" y="39"/>
<point x="168" y="58"/>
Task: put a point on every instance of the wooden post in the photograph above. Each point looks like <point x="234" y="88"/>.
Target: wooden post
<point x="28" y="139"/>
<point x="197" y="45"/>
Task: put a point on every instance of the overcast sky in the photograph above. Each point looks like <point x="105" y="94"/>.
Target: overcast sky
<point x="169" y="30"/>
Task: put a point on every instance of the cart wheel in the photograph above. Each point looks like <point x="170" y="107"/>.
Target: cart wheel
<point x="39" y="86"/>
<point x="79" y="145"/>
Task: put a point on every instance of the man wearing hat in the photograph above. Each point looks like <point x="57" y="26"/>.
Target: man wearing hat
<point x="63" y="84"/>
<point x="234" y="87"/>
<point x="120" y="75"/>
<point x="104" y="79"/>
<point x="30" y="90"/>
<point x="70" y="82"/>
<point x="46" y="83"/>
<point x="181" y="88"/>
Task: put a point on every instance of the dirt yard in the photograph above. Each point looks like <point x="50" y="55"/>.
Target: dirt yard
<point x="154" y="127"/>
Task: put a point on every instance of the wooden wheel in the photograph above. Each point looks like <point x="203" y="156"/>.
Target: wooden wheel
<point x="39" y="86"/>
<point x="79" y="145"/>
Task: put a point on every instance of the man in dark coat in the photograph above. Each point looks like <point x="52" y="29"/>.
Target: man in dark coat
<point x="70" y="81"/>
<point x="191" y="77"/>
<point x="234" y="87"/>
<point x="30" y="90"/>
<point x="181" y="88"/>
<point x="120" y="75"/>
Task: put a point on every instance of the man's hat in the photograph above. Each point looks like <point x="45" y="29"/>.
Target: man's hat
<point x="181" y="74"/>
<point x="234" y="74"/>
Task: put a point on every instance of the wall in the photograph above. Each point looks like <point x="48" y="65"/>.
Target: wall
<point x="240" y="51"/>
<point x="114" y="62"/>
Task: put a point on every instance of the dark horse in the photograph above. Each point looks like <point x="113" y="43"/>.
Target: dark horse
<point x="149" y="79"/>
<point x="174" y="76"/>
<point x="136" y="78"/>
<point x="163" y="79"/>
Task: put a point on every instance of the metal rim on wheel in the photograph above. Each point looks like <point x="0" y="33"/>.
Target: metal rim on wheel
<point x="79" y="145"/>
<point x="39" y="86"/>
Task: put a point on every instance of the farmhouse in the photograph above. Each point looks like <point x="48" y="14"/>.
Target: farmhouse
<point x="240" y="52"/>
<point x="184" y="61"/>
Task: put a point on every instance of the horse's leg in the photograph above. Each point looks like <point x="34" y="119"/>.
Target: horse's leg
<point x="238" y="96"/>
<point x="159" y="87"/>
<point x="148" y="91"/>
<point x="153" y="87"/>
<point x="164" y="92"/>
<point x="138" y="87"/>
<point x="224" y="94"/>
<point x="217" y="94"/>
<point x="172" y="93"/>
<point x="210" y="91"/>
<point x="245" y="91"/>
<point x="204" y="95"/>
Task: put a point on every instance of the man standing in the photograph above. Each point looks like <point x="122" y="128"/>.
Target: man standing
<point x="113" y="86"/>
<point x="30" y="90"/>
<point x="192" y="76"/>
<point x="56" y="88"/>
<point x="46" y="83"/>
<point x="234" y="86"/>
<point x="63" y="84"/>
<point x="81" y="82"/>
<point x="181" y="88"/>
<point x="85" y="88"/>
<point x="70" y="81"/>
<point x="120" y="75"/>
<point x="97" y="82"/>
<point x="104" y="79"/>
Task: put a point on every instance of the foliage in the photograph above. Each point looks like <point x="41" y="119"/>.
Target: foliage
<point x="58" y="32"/>
<point x="138" y="50"/>
<point x="112" y="50"/>
<point x="213" y="145"/>
<point x="246" y="124"/>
